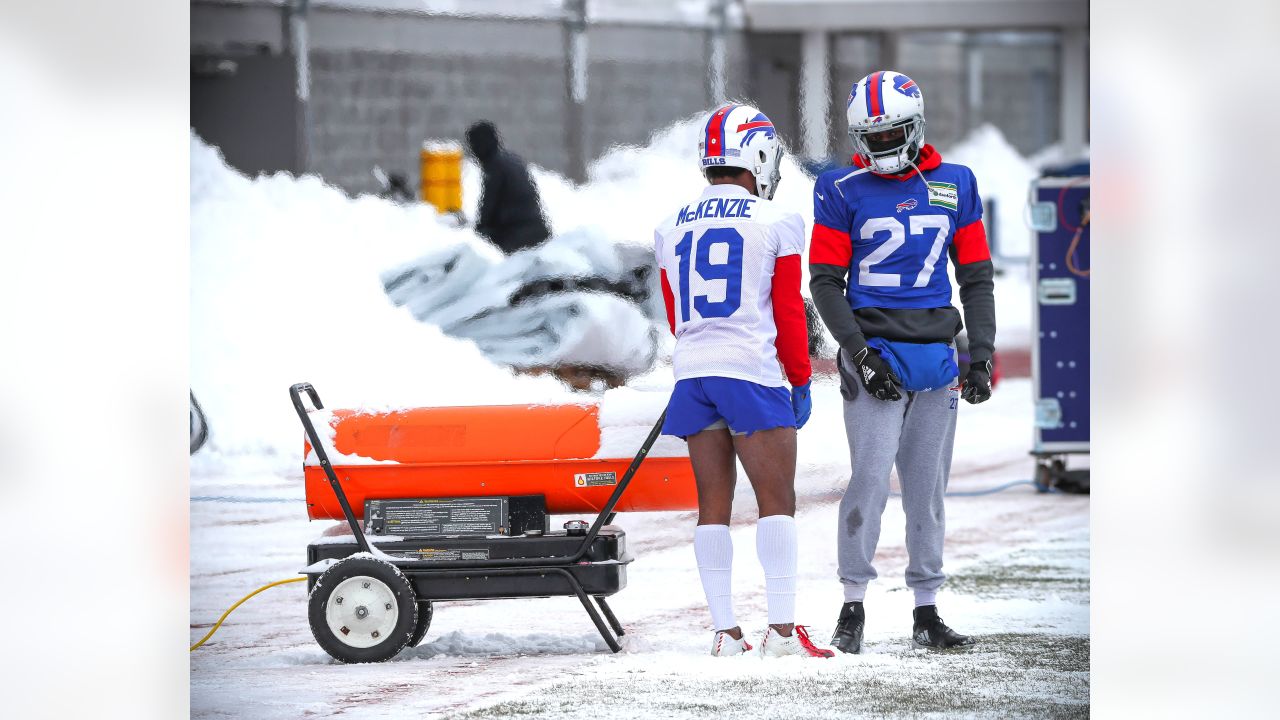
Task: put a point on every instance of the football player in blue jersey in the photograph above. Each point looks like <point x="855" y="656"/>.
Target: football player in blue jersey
<point x="882" y="235"/>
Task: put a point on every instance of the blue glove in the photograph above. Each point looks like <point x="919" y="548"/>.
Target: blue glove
<point x="802" y="404"/>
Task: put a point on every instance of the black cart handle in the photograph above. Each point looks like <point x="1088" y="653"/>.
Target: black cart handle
<point x="295" y="393"/>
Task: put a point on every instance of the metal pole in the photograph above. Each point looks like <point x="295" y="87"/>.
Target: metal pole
<point x="1074" y="98"/>
<point x="716" y="86"/>
<point x="575" y="50"/>
<point x="300" y="46"/>
<point x="889" y="51"/>
<point x="973" y="82"/>
<point x="815" y="96"/>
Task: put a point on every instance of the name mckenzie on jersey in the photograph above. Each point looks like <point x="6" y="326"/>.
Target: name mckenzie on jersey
<point x="716" y="208"/>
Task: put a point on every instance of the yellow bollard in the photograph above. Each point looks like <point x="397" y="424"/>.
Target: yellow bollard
<point x="442" y="175"/>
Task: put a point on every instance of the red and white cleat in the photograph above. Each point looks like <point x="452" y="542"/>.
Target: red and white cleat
<point x="799" y="645"/>
<point x="724" y="645"/>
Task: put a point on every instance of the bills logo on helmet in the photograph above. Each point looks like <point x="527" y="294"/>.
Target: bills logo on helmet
<point x="757" y="124"/>
<point x="906" y="86"/>
<point x="908" y="204"/>
<point x="852" y="94"/>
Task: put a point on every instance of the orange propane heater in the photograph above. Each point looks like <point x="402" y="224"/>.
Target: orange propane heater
<point x="504" y="450"/>
<point x="447" y="504"/>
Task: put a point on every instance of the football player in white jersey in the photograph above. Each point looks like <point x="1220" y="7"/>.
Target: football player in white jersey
<point x="730" y="268"/>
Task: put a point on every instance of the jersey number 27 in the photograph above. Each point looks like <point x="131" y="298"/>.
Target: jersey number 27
<point x="729" y="271"/>
<point x="919" y="223"/>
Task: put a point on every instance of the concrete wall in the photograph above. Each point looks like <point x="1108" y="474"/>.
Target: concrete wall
<point x="774" y="82"/>
<point x="381" y="82"/>
<point x="1017" y="84"/>
<point x="247" y="107"/>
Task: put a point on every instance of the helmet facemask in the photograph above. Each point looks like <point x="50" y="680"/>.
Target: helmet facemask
<point x="893" y="154"/>
<point x="768" y="185"/>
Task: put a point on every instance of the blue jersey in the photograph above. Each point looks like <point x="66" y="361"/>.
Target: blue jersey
<point x="894" y="234"/>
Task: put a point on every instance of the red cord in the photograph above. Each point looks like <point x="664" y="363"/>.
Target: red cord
<point x="1078" y="230"/>
<point x="1062" y="195"/>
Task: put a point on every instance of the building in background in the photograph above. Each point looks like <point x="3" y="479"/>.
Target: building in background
<point x="336" y="87"/>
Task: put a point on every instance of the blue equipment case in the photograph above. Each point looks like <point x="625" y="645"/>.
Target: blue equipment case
<point x="1060" y="328"/>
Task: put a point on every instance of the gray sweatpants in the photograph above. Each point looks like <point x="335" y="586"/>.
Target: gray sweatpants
<point x="917" y="434"/>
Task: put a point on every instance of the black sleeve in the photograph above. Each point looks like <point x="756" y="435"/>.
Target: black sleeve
<point x="826" y="285"/>
<point x="977" y="296"/>
<point x="490" y="198"/>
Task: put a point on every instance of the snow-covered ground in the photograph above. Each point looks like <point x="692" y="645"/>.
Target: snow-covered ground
<point x="1019" y="579"/>
<point x="285" y="288"/>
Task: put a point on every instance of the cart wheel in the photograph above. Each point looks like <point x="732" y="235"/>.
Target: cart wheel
<point x="1044" y="478"/>
<point x="424" y="622"/>
<point x="362" y="610"/>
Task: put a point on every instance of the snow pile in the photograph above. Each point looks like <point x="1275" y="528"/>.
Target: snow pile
<point x="286" y="285"/>
<point x="631" y="189"/>
<point x="1003" y="176"/>
<point x="285" y="288"/>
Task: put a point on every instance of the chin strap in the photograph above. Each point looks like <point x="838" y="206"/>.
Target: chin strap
<point x="920" y="173"/>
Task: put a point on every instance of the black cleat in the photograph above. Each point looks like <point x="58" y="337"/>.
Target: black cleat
<point x="929" y="632"/>
<point x="848" y="637"/>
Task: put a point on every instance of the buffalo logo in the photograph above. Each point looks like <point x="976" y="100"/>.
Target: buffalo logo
<point x="852" y="94"/>
<point x="908" y="204"/>
<point x="906" y="86"/>
<point x="757" y="124"/>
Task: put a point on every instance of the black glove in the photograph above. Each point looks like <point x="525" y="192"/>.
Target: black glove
<point x="977" y="385"/>
<point x="876" y="376"/>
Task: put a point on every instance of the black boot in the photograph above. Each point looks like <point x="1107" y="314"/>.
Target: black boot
<point x="930" y="632"/>
<point x="848" y="637"/>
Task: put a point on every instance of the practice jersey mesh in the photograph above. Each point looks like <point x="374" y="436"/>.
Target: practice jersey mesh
<point x="718" y="253"/>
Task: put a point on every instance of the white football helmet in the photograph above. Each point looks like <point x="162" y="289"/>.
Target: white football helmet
<point x="741" y="136"/>
<point x="881" y="102"/>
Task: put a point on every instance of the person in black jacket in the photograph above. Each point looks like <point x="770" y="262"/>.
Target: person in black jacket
<point x="510" y="211"/>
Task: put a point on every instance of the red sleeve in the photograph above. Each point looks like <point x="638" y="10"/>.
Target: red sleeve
<point x="971" y="243"/>
<point x="788" y="315"/>
<point x="830" y="247"/>
<point x="669" y="299"/>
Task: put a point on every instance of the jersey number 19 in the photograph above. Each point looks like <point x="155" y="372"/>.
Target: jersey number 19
<point x="729" y="271"/>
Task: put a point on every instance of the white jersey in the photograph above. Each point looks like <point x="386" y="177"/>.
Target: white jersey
<point x="718" y="254"/>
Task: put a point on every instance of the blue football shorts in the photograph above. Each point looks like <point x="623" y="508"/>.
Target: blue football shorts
<point x="706" y="403"/>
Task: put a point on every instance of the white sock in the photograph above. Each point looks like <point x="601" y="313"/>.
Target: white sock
<point x="776" y="548"/>
<point x="713" y="547"/>
<point x="926" y="597"/>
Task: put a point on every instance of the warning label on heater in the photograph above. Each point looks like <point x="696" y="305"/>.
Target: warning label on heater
<point x="427" y="517"/>
<point x="446" y="554"/>
<point x="595" y="479"/>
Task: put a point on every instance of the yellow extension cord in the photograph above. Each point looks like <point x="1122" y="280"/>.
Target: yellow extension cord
<point x="218" y="624"/>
